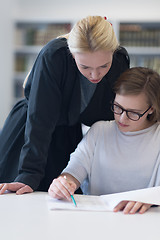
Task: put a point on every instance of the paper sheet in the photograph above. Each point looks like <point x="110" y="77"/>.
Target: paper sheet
<point x="84" y="202"/>
<point x="147" y="195"/>
<point x="106" y="202"/>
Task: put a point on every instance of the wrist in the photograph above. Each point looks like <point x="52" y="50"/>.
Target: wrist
<point x="70" y="178"/>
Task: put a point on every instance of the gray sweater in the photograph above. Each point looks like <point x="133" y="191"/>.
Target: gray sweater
<point x="109" y="161"/>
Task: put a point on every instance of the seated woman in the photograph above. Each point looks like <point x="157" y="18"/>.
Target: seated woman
<point x="123" y="154"/>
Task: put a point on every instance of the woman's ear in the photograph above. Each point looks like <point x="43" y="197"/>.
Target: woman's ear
<point x="151" y="110"/>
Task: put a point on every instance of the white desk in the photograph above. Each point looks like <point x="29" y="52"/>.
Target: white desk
<point x="26" y="217"/>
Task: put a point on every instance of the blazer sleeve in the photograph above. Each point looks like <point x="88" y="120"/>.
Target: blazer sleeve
<point x="44" y="106"/>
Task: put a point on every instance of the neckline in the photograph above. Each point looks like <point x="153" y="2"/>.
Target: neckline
<point x="145" y="130"/>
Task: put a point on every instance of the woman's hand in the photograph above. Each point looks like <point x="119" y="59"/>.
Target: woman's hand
<point x="63" y="187"/>
<point x="17" y="187"/>
<point x="132" y="207"/>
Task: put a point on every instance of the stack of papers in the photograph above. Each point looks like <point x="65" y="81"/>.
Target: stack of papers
<point x="106" y="202"/>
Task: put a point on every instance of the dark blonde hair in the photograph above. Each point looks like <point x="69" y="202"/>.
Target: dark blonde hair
<point x="91" y="34"/>
<point x="140" y="79"/>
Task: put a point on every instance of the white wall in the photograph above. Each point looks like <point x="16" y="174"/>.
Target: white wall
<point x="59" y="10"/>
<point x="71" y="9"/>
<point x="5" y="59"/>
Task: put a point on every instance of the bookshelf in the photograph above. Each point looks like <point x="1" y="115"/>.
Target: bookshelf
<point x="142" y="41"/>
<point x="29" y="38"/>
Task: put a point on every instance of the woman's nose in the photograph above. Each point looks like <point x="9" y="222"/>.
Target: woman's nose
<point x="95" y="74"/>
<point x="123" y="116"/>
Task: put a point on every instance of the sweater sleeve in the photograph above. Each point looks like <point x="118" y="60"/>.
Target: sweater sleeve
<point x="155" y="178"/>
<point x="81" y="159"/>
<point x="44" y="106"/>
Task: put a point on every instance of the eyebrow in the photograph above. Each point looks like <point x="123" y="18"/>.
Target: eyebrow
<point x="128" y="109"/>
<point x="99" y="66"/>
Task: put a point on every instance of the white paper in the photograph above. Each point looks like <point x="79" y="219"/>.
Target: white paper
<point x="83" y="202"/>
<point x="106" y="202"/>
<point x="147" y="195"/>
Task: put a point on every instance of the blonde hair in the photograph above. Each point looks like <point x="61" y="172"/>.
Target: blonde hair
<point x="91" y="34"/>
<point x="140" y="79"/>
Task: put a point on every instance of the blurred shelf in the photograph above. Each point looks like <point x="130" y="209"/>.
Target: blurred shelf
<point x="30" y="37"/>
<point x="27" y="49"/>
<point x="142" y="41"/>
<point x="143" y="50"/>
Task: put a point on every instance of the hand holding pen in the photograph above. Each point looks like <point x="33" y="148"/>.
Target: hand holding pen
<point x="64" y="187"/>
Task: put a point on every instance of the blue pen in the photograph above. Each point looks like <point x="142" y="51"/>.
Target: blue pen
<point x="73" y="200"/>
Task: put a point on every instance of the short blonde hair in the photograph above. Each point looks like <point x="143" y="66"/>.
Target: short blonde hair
<point x="91" y="34"/>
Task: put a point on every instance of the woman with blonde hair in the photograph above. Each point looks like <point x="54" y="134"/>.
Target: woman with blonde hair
<point x="70" y="84"/>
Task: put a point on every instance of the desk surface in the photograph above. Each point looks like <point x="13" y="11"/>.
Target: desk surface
<point x="27" y="217"/>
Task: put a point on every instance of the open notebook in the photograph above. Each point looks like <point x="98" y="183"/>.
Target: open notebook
<point x="106" y="202"/>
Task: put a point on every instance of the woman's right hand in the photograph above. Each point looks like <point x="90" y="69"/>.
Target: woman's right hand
<point x="62" y="187"/>
<point x="19" y="188"/>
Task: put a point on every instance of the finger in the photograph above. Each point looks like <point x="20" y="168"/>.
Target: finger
<point x="14" y="186"/>
<point x="144" y="208"/>
<point x="128" y="207"/>
<point x="69" y="186"/>
<point x="1" y="185"/>
<point x="64" y="191"/>
<point x="25" y="189"/>
<point x="136" y="207"/>
<point x="54" y="192"/>
<point x="73" y="187"/>
<point x="60" y="189"/>
<point x="4" y="187"/>
<point x="66" y="183"/>
<point x="120" y="206"/>
<point x="8" y="186"/>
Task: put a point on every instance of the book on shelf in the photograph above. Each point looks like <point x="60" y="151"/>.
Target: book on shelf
<point x="139" y="34"/>
<point x="24" y="62"/>
<point x="39" y="33"/>
<point x="20" y="63"/>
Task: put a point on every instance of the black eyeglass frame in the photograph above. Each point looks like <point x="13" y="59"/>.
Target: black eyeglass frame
<point x="124" y="110"/>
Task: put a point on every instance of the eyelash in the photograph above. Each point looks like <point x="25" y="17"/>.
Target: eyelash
<point x="104" y="66"/>
<point x="101" y="67"/>
<point x="85" y="67"/>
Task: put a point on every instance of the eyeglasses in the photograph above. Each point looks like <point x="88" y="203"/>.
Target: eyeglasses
<point x="130" y="114"/>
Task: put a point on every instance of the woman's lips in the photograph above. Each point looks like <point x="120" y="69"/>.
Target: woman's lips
<point x="95" y="80"/>
<point x="122" y="125"/>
